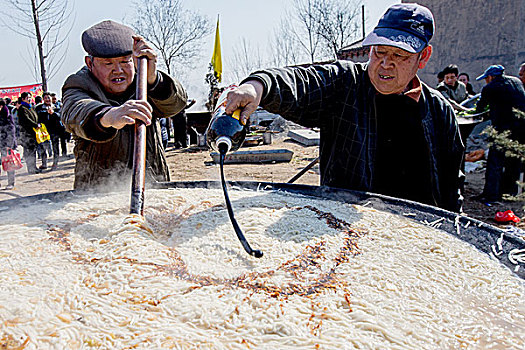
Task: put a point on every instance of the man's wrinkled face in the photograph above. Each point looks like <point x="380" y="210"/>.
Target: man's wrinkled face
<point x="450" y="79"/>
<point x="47" y="100"/>
<point x="115" y="74"/>
<point x="391" y="69"/>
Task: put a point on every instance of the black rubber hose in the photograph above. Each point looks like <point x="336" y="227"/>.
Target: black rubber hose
<point x="256" y="253"/>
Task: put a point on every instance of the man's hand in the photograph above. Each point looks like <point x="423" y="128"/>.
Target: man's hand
<point x="246" y="97"/>
<point x="143" y="49"/>
<point x="118" y="117"/>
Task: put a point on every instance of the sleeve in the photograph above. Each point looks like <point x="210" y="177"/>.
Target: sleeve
<point x="301" y="93"/>
<point x="453" y="176"/>
<point x="444" y="92"/>
<point x="483" y="101"/>
<point x="81" y="114"/>
<point x="167" y="96"/>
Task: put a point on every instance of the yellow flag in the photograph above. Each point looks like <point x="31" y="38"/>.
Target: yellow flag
<point x="216" y="60"/>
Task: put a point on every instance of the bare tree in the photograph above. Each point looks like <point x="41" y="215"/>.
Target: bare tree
<point x="315" y="30"/>
<point x="337" y="22"/>
<point x="285" y="48"/>
<point x="46" y="22"/>
<point x="177" y="33"/>
<point x="246" y="58"/>
<point x="305" y="29"/>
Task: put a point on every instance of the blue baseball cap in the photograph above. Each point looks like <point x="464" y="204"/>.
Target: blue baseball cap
<point x="495" y="69"/>
<point x="406" y="26"/>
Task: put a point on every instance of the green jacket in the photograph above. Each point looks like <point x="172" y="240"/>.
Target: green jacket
<point x="104" y="156"/>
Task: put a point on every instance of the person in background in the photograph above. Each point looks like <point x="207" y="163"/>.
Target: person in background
<point x="502" y="93"/>
<point x="64" y="137"/>
<point x="465" y="78"/>
<point x="55" y="101"/>
<point x="521" y="73"/>
<point x="43" y="149"/>
<point x="100" y="107"/>
<point x="382" y="129"/>
<point x="180" y="127"/>
<point x="452" y="89"/>
<point x="28" y="120"/>
<point x="440" y="77"/>
<point x="13" y="109"/>
<point x="7" y="139"/>
<point x="164" y="132"/>
<point x="38" y="100"/>
<point x="50" y="117"/>
<point x="9" y="105"/>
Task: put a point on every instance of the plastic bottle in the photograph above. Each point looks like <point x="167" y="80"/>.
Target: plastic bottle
<point x="225" y="132"/>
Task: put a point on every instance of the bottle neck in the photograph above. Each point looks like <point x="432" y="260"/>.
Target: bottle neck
<point x="224" y="144"/>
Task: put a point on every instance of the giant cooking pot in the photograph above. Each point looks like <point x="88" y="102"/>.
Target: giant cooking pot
<point x="486" y="238"/>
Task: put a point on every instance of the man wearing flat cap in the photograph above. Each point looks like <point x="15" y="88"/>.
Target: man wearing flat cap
<point x="501" y="94"/>
<point x="382" y="129"/>
<point x="100" y="107"/>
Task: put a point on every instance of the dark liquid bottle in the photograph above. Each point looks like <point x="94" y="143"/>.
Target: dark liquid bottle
<point x="225" y="132"/>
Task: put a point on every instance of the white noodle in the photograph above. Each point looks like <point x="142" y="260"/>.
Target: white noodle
<point x="83" y="274"/>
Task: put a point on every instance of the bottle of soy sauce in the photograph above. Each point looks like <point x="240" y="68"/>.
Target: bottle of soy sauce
<point x="225" y="132"/>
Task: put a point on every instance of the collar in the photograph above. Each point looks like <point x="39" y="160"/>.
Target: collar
<point x="413" y="89"/>
<point x="25" y="104"/>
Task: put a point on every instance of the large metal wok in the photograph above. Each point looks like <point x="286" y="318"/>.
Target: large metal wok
<point x="484" y="237"/>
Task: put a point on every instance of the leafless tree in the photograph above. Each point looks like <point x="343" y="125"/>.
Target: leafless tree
<point x="177" y="33"/>
<point x="49" y="23"/>
<point x="314" y="30"/>
<point x="337" y="22"/>
<point x="305" y="29"/>
<point x="245" y="59"/>
<point x="285" y="48"/>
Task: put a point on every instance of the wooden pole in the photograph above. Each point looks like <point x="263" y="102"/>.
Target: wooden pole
<point x="139" y="155"/>
<point x="363" y="19"/>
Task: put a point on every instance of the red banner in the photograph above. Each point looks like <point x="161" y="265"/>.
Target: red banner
<point x="14" y="92"/>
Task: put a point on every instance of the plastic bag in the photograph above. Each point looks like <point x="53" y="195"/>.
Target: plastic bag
<point x="12" y="161"/>
<point x="506" y="216"/>
<point x="41" y="134"/>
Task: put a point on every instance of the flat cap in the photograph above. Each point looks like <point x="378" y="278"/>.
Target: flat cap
<point x="108" y="39"/>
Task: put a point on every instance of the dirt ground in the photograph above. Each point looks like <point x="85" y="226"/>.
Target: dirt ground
<point x="195" y="163"/>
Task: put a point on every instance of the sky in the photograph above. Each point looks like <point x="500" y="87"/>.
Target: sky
<point x="253" y="20"/>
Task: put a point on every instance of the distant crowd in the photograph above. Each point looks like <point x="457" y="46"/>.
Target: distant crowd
<point x="496" y="101"/>
<point x="36" y="126"/>
<point x="456" y="86"/>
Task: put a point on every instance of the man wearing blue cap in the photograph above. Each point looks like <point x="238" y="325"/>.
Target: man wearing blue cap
<point x="501" y="94"/>
<point x="382" y="129"/>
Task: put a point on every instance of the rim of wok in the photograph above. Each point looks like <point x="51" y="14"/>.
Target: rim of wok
<point x="479" y="234"/>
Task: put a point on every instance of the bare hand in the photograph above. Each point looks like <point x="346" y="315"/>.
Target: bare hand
<point x="141" y="48"/>
<point x="246" y="97"/>
<point x="118" y="117"/>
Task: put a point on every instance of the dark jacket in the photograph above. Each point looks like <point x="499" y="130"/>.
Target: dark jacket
<point x="340" y="99"/>
<point x="106" y="154"/>
<point x="501" y="95"/>
<point x="51" y="121"/>
<point x="7" y="129"/>
<point x="27" y="119"/>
